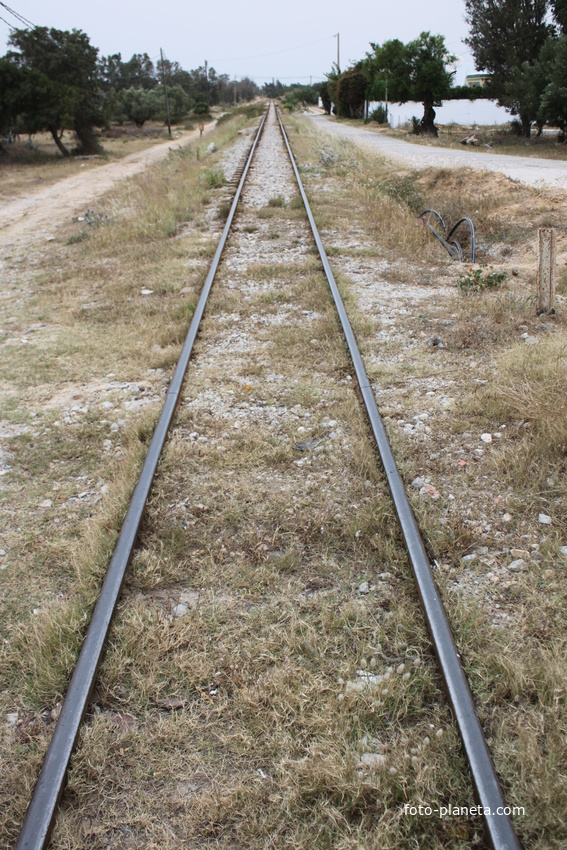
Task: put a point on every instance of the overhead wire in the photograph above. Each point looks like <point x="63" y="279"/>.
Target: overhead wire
<point x="17" y="15"/>
<point x="8" y="24"/>
<point x="275" y="53"/>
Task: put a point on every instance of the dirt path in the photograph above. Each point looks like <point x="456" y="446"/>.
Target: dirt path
<point x="38" y="214"/>
<point x="532" y="171"/>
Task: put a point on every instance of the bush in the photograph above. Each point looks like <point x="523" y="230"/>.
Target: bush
<point x="515" y="127"/>
<point x="213" y="178"/>
<point x="351" y="94"/>
<point x="325" y="97"/>
<point x="379" y="115"/>
<point x="252" y="110"/>
<point x="477" y="280"/>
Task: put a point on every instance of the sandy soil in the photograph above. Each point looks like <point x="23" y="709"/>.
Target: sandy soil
<point x="38" y="214"/>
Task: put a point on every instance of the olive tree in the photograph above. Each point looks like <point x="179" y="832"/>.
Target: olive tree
<point x="415" y="71"/>
<point x="65" y="65"/>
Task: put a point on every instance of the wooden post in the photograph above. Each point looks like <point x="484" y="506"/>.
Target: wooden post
<point x="546" y="270"/>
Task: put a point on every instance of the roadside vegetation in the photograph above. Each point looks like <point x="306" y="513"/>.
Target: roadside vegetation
<point x="521" y="47"/>
<point x="55" y="81"/>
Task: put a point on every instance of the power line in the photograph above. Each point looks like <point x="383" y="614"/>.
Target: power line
<point x="17" y="15"/>
<point x="6" y="22"/>
<point x="275" y="53"/>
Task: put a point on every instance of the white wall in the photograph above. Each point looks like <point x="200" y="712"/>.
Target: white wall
<point x="465" y="112"/>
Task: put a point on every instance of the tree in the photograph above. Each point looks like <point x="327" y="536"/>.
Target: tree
<point x="554" y="99"/>
<point x="429" y="79"/>
<point x="246" y="89"/>
<point x="387" y="63"/>
<point x="331" y="87"/>
<point x="31" y="102"/>
<point x="273" y="89"/>
<point x="139" y="105"/>
<point x="138" y="72"/>
<point x="325" y="97"/>
<point x="68" y="62"/>
<point x="351" y="93"/>
<point x="506" y="38"/>
<point x="178" y="103"/>
<point x="559" y="8"/>
<point x="416" y="71"/>
<point x="531" y="80"/>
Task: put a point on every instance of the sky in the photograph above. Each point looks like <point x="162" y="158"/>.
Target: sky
<point x="294" y="40"/>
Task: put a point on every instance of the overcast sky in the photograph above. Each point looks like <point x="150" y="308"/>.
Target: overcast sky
<point x="291" y="40"/>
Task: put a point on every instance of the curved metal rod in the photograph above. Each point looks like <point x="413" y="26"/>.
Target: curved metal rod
<point x="42" y="810"/>
<point x="497" y="822"/>
<point x="434" y="212"/>
<point x="437" y="235"/>
<point x="465" y="220"/>
<point x="447" y="243"/>
<point x="458" y="249"/>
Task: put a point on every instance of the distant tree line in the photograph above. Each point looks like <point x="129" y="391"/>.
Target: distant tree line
<point x="53" y="80"/>
<point x="521" y="44"/>
<point x="292" y="95"/>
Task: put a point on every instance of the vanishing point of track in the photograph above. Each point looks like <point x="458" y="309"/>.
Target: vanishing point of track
<point x="42" y="810"/>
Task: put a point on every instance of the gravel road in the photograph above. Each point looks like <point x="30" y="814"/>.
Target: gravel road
<point x="530" y="170"/>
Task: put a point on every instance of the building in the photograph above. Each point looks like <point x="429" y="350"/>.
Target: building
<point x="478" y="80"/>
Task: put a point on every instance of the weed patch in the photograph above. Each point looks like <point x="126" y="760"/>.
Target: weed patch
<point x="477" y="280"/>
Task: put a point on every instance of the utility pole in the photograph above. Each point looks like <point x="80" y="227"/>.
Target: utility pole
<point x="338" y="55"/>
<point x="207" y="83"/>
<point x="165" y="90"/>
<point x="235" y="91"/>
<point x="387" y="122"/>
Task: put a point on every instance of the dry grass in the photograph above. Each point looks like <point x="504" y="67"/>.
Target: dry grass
<point x="234" y="723"/>
<point x="86" y="358"/>
<point x="23" y="169"/>
<point x="533" y="388"/>
<point x="244" y="720"/>
<point x="510" y="627"/>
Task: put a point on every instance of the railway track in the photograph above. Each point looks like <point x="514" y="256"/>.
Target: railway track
<point x="248" y="278"/>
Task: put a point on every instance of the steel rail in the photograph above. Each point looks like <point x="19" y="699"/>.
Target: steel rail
<point x="42" y="810"/>
<point x="498" y="825"/>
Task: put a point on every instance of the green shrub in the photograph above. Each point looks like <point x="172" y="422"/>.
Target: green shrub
<point x="214" y="177"/>
<point x="477" y="280"/>
<point x="379" y="115"/>
<point x="252" y="110"/>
